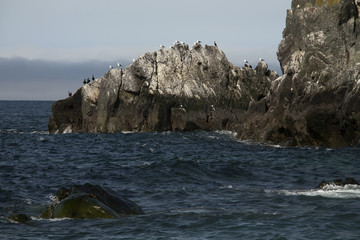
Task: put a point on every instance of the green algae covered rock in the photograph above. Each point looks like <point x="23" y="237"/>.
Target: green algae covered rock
<point x="88" y="202"/>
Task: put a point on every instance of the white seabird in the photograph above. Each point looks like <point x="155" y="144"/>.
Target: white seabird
<point x="119" y="65"/>
<point x="111" y="67"/>
<point x="261" y="60"/>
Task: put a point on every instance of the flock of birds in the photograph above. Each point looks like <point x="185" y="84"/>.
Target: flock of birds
<point x="197" y="43"/>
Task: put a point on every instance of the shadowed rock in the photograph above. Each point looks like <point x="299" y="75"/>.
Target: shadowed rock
<point x="90" y="201"/>
<point x="20" y="218"/>
<point x="338" y="182"/>
<point x="316" y="101"/>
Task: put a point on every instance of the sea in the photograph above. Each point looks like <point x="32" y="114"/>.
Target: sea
<point x="192" y="185"/>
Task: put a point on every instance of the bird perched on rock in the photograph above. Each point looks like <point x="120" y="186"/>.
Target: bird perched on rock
<point x="69" y="93"/>
<point x="111" y="67"/>
<point x="93" y="78"/>
<point x="119" y="65"/>
<point x="162" y="46"/>
<point x="215" y="44"/>
<point x="84" y="82"/>
<point x="88" y="80"/>
<point x="246" y="63"/>
<point x="261" y="60"/>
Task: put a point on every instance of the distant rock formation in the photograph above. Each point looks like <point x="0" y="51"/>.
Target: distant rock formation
<point x="338" y="182"/>
<point x="176" y="89"/>
<point x="315" y="102"/>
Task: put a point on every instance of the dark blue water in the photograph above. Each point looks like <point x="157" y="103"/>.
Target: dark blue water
<point x="191" y="185"/>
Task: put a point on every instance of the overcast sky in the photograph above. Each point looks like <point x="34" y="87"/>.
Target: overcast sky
<point x="48" y="47"/>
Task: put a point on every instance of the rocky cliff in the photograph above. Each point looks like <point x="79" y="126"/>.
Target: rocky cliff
<point x="315" y="102"/>
<point x="175" y="89"/>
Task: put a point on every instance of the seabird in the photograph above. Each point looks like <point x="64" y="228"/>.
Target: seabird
<point x="162" y="46"/>
<point x="261" y="59"/>
<point x="133" y="59"/>
<point x="88" y="80"/>
<point x="119" y="65"/>
<point x="84" y="82"/>
<point x="111" y="67"/>
<point x="69" y="93"/>
<point x="93" y="78"/>
<point x="215" y="44"/>
<point x="246" y="63"/>
<point x="198" y="41"/>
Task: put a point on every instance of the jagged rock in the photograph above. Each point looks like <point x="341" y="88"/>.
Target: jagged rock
<point x="90" y="201"/>
<point x="338" y="182"/>
<point x="316" y="101"/>
<point x="146" y="95"/>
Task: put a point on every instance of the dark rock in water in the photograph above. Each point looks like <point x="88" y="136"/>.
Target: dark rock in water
<point x="338" y="182"/>
<point x="20" y="218"/>
<point x="90" y="201"/>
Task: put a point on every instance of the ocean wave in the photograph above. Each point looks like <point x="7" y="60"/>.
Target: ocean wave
<point x="330" y="191"/>
<point x="228" y="133"/>
<point x="17" y="131"/>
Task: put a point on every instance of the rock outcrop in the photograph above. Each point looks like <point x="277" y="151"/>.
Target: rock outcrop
<point x="317" y="100"/>
<point x="338" y="182"/>
<point x="86" y="201"/>
<point x="176" y="89"/>
<point x="90" y="201"/>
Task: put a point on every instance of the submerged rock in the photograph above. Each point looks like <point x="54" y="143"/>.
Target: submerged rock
<point x="90" y="201"/>
<point x="20" y="218"/>
<point x="338" y="182"/>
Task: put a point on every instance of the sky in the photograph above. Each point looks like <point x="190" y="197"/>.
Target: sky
<point x="47" y="47"/>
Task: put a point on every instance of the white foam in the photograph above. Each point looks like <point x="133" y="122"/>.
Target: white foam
<point x="228" y="133"/>
<point x="329" y="191"/>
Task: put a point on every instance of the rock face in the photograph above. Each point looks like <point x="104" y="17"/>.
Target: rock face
<point x="176" y="89"/>
<point x="90" y="201"/>
<point x="317" y="100"/>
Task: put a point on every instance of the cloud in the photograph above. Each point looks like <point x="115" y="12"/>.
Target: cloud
<point x="23" y="79"/>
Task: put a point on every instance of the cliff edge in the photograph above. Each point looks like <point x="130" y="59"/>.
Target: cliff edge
<point x="317" y="100"/>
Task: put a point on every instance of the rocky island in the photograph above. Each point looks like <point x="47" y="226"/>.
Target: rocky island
<point x="315" y="102"/>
